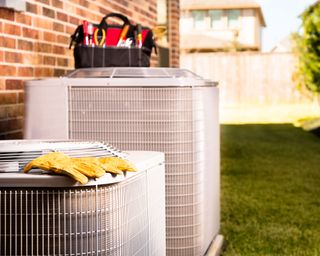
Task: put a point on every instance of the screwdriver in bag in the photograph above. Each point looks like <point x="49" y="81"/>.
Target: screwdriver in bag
<point x="123" y="35"/>
<point x="90" y="33"/>
<point x="139" y="36"/>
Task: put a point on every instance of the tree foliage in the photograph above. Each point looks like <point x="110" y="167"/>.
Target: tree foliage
<point x="307" y="49"/>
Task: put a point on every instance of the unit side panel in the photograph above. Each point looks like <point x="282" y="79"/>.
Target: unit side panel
<point x="169" y="120"/>
<point x="46" y="110"/>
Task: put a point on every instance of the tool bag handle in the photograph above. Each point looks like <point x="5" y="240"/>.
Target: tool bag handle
<point x="104" y="23"/>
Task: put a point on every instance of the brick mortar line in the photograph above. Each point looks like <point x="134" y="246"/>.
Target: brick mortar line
<point x="43" y="66"/>
<point x="15" y="50"/>
<point x="19" y="65"/>
<point x="7" y="118"/>
<point x="12" y="91"/>
<point x="25" y="78"/>
<point x="31" y="40"/>
<point x="16" y="78"/>
<point x="14" y="111"/>
<point x="36" y="53"/>
<point x="12" y="104"/>
<point x="32" y="26"/>
<point x="12" y="118"/>
<point x="11" y="132"/>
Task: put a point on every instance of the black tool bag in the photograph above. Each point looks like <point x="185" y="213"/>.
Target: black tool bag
<point x="109" y="45"/>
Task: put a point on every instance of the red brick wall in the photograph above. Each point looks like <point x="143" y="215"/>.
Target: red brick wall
<point x="173" y="32"/>
<point x="34" y="44"/>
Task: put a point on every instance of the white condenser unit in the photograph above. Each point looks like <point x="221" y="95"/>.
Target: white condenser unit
<point x="45" y="214"/>
<point x="160" y="109"/>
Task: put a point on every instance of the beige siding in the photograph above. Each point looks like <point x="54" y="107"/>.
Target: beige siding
<point x="247" y="35"/>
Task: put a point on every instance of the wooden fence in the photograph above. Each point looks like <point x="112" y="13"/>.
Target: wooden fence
<point x="249" y="78"/>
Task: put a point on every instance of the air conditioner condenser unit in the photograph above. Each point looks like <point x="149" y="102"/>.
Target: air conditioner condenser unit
<point x="159" y="109"/>
<point x="45" y="214"/>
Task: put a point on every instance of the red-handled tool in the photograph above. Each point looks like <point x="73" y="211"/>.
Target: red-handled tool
<point x="85" y="32"/>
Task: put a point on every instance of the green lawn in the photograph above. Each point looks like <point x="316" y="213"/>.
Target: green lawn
<point x="270" y="181"/>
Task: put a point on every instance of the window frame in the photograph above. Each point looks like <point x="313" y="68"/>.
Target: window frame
<point x="226" y="19"/>
<point x="220" y="21"/>
<point x="204" y="25"/>
<point x="236" y="25"/>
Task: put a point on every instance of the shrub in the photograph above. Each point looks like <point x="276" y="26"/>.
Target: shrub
<point x="307" y="49"/>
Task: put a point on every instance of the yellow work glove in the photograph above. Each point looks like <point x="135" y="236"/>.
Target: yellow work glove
<point x="116" y="165"/>
<point x="56" y="162"/>
<point x="80" y="169"/>
<point x="89" y="166"/>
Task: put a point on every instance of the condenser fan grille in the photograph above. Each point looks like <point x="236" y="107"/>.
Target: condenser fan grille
<point x="123" y="72"/>
<point x="14" y="156"/>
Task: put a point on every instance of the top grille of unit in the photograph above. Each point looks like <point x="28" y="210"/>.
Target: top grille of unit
<point x="136" y="77"/>
<point x="132" y="73"/>
<point x="14" y="155"/>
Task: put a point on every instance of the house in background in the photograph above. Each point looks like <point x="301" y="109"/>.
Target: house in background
<point x="220" y="25"/>
<point x="285" y="45"/>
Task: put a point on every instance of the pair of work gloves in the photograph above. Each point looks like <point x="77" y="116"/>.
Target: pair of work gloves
<point x="80" y="169"/>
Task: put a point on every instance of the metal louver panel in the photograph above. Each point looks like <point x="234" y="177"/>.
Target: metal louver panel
<point x="168" y="119"/>
<point x="89" y="221"/>
<point x="16" y="154"/>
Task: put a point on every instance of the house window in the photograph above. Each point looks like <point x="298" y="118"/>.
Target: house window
<point x="216" y="19"/>
<point x="233" y="18"/>
<point x="199" y="19"/>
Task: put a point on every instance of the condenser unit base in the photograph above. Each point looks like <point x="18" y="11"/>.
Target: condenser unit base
<point x="216" y="246"/>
